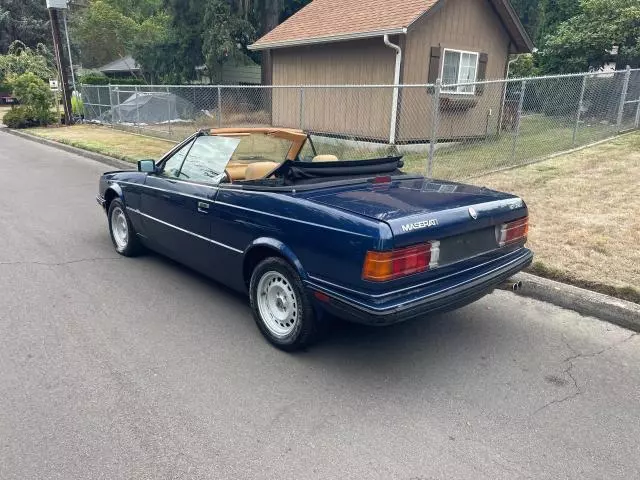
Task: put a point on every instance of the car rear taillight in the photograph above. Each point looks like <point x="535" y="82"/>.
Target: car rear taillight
<point x="513" y="231"/>
<point x="383" y="266"/>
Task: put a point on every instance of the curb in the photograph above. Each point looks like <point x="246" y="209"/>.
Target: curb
<point x="98" y="157"/>
<point x="603" y="307"/>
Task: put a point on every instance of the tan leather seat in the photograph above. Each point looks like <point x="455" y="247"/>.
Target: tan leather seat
<point x="236" y="172"/>
<point x="325" y="158"/>
<point x="259" y="170"/>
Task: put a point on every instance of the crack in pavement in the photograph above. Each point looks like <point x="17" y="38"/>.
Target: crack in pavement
<point x="56" y="264"/>
<point x="599" y="352"/>
<point x="571" y="396"/>
<point x="568" y="371"/>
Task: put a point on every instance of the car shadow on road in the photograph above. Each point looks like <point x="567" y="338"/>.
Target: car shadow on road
<point x="421" y="341"/>
<point x="466" y="335"/>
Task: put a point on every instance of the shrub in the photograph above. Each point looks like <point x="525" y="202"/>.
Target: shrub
<point x="23" y="117"/>
<point x="15" y="118"/>
<point x="35" y="96"/>
<point x="98" y="78"/>
<point x="94" y="78"/>
<point x="77" y="105"/>
<point x="126" y="81"/>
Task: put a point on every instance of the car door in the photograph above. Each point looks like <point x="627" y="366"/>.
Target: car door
<point x="178" y="202"/>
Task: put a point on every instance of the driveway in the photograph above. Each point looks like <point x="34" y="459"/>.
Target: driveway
<point x="114" y="368"/>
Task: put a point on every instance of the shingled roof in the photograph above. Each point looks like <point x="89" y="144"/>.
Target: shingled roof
<point x="324" y="21"/>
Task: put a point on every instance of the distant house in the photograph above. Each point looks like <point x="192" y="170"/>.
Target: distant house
<point x="121" y="68"/>
<point x="388" y="42"/>
<point x="249" y="74"/>
<point x="246" y="74"/>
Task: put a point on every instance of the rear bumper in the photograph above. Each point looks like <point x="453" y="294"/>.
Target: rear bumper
<point x="430" y="300"/>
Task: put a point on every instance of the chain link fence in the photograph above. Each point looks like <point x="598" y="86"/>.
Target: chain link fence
<point x="446" y="131"/>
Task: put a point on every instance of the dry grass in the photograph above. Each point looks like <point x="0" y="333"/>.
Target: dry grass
<point x="114" y="143"/>
<point x="585" y="226"/>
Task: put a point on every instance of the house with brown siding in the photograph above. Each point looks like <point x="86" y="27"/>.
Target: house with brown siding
<point x="391" y="42"/>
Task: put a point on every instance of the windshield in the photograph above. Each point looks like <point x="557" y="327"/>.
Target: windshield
<point x="236" y="156"/>
<point x="208" y="157"/>
<point x="259" y="147"/>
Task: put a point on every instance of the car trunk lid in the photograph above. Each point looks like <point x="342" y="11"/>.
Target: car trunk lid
<point x="462" y="217"/>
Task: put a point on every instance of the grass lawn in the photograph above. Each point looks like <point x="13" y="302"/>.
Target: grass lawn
<point x="108" y="141"/>
<point x="585" y="227"/>
<point x="539" y="137"/>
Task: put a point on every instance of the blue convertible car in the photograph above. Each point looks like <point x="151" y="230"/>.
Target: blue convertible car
<point x="307" y="234"/>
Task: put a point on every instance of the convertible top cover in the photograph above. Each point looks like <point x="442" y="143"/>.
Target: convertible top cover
<point x="295" y="172"/>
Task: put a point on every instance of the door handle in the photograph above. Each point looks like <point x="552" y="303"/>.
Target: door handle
<point x="203" y="207"/>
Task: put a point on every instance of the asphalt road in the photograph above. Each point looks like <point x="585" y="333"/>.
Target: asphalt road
<point x="114" y="368"/>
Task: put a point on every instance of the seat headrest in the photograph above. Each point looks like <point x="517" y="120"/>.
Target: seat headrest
<point x="325" y="158"/>
<point x="236" y="172"/>
<point x="258" y="170"/>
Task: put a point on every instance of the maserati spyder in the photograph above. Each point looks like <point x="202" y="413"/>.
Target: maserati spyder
<point x="309" y="236"/>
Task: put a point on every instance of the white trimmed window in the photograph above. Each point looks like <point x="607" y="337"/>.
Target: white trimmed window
<point x="459" y="66"/>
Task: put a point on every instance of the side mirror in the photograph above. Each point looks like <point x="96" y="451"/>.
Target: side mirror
<point x="147" y="166"/>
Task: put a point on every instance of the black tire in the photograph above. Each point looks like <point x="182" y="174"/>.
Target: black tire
<point x="304" y="328"/>
<point x="132" y="246"/>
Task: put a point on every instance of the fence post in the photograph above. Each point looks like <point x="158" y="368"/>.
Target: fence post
<point x="637" y="119"/>
<point x="169" y="108"/>
<point x="523" y="87"/>
<point x="137" y="108"/>
<point x="219" y="107"/>
<point x="99" y="102"/>
<point x="575" y="127"/>
<point x="301" y="108"/>
<point x="435" y="121"/>
<point x="111" y="103"/>
<point x="623" y="97"/>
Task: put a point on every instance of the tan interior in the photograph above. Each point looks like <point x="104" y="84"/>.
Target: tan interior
<point x="259" y="170"/>
<point x="236" y="172"/>
<point x="256" y="170"/>
<point x="325" y="158"/>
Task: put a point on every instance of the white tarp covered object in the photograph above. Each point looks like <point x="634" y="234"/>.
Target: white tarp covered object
<point x="151" y="107"/>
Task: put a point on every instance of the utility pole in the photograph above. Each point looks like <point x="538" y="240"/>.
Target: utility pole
<point x="66" y="32"/>
<point x="54" y="6"/>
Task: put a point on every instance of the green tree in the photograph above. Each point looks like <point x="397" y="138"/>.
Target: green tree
<point x="226" y="38"/>
<point x="587" y="40"/>
<point x="155" y="49"/>
<point x="554" y="12"/>
<point x="21" y="59"/>
<point x="186" y="40"/>
<point x="138" y="10"/>
<point x="291" y="7"/>
<point x="523" y="66"/>
<point x="103" y="33"/>
<point x="24" y="20"/>
<point x="531" y="15"/>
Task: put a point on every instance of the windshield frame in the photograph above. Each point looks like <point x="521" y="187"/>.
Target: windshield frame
<point x="298" y="140"/>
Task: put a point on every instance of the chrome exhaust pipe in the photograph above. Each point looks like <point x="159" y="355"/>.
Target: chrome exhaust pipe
<point x="512" y="285"/>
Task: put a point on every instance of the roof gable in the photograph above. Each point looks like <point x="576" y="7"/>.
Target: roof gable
<point x="124" y="64"/>
<point x="324" y="21"/>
